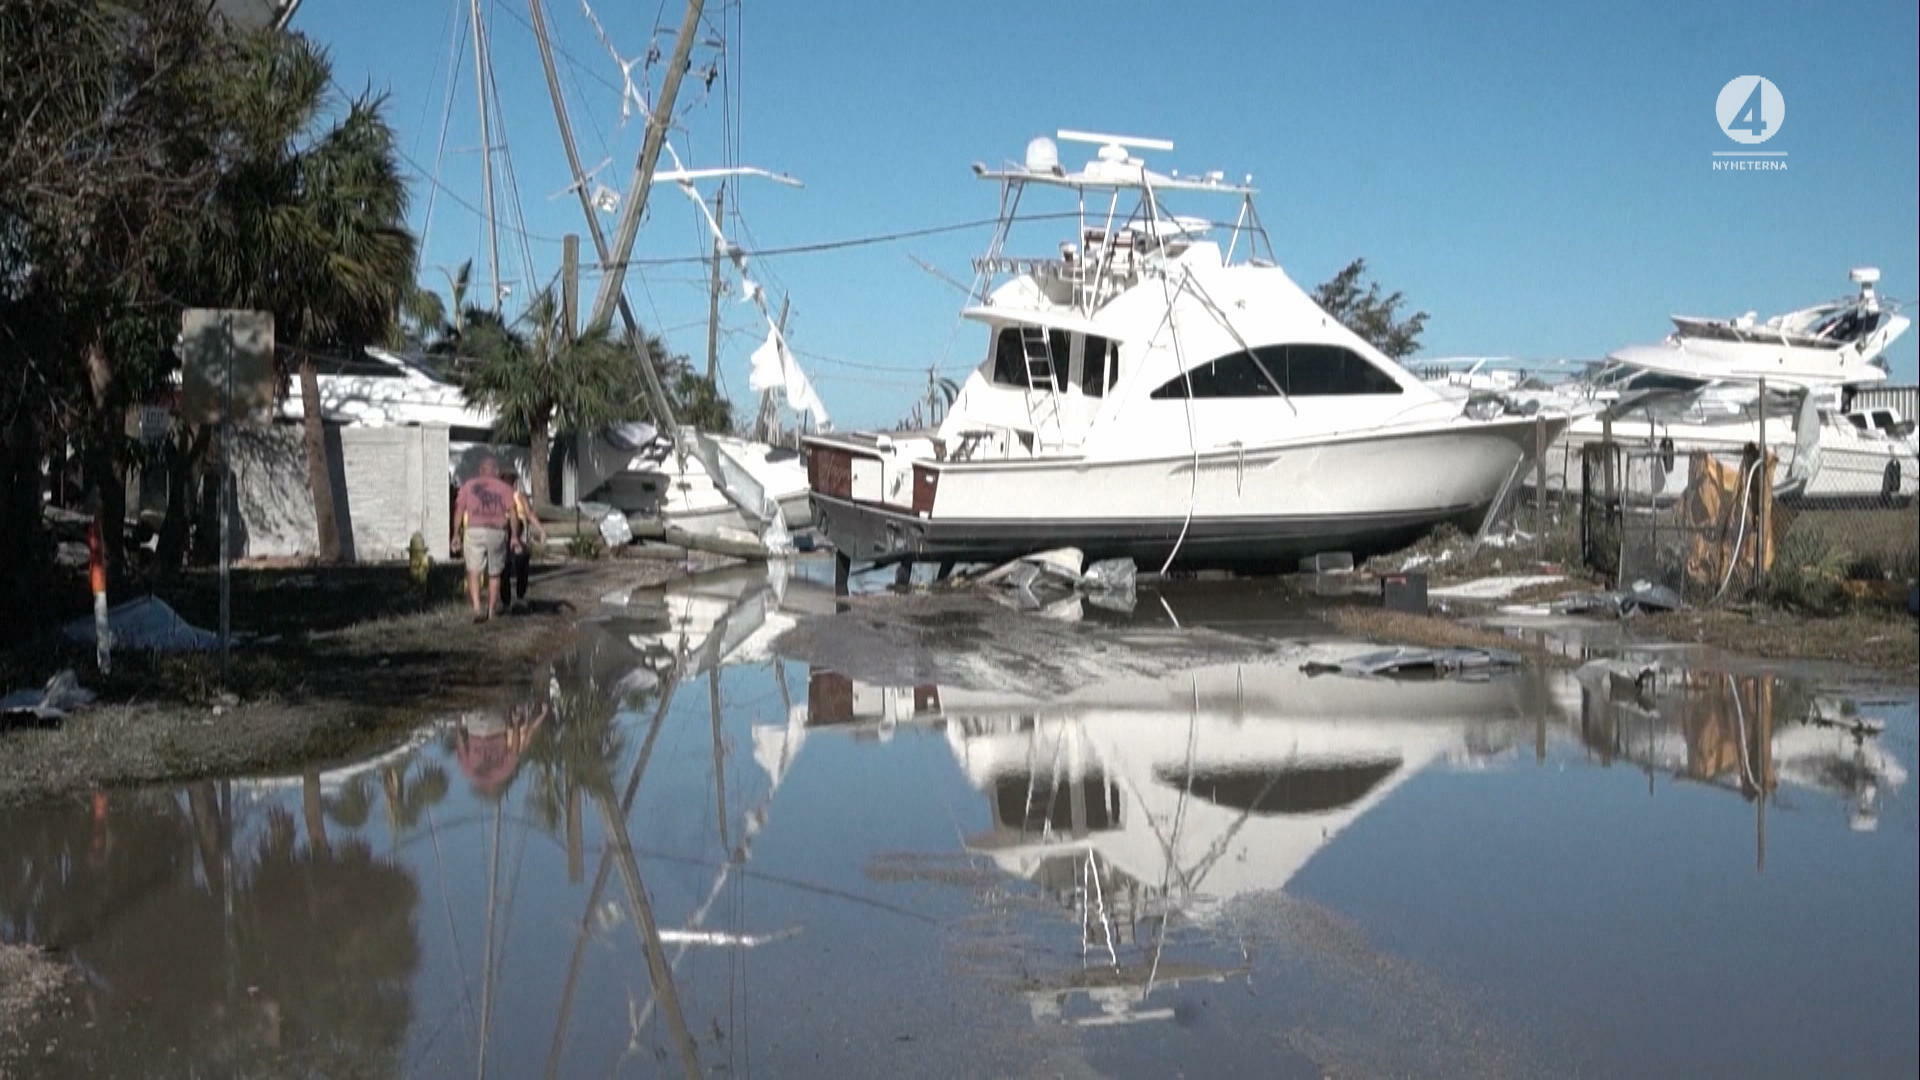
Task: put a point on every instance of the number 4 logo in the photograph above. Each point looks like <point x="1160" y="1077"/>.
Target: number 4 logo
<point x="1752" y="118"/>
<point x="1750" y="109"/>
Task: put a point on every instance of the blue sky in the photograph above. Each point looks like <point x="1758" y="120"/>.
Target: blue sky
<point x="1536" y="176"/>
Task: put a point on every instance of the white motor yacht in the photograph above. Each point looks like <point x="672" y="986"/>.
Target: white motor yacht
<point x="1700" y="390"/>
<point x="1154" y="388"/>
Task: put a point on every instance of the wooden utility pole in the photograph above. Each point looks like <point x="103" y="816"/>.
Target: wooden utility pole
<point x="614" y="281"/>
<point x="713" y="289"/>
<point x="570" y="283"/>
<point x="661" y="405"/>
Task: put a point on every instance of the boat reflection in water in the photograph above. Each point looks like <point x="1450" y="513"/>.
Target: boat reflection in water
<point x="1748" y="733"/>
<point x="590" y="877"/>
<point x="1141" y="805"/>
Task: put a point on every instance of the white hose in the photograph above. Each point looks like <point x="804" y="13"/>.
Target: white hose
<point x="1739" y="537"/>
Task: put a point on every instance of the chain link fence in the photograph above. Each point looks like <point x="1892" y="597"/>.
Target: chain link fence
<point x="1727" y="526"/>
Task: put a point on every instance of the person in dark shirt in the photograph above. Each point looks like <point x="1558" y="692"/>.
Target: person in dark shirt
<point x="526" y="527"/>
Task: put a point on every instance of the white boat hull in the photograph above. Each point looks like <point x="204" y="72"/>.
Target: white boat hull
<point x="1850" y="469"/>
<point x="1261" y="506"/>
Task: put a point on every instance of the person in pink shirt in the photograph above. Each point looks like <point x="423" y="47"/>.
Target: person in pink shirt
<point x="482" y="526"/>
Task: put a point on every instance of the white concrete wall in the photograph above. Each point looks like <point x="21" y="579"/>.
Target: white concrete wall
<point x="387" y="483"/>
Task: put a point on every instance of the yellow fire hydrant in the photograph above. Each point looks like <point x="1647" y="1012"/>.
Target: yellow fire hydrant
<point x="418" y="561"/>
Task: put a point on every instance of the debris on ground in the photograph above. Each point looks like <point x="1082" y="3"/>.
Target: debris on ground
<point x="147" y="624"/>
<point x="1413" y="661"/>
<point x="615" y="530"/>
<point x="1642" y="597"/>
<point x="1432" y="631"/>
<point x="47" y="707"/>
<point x="1499" y="587"/>
<point x="1051" y="583"/>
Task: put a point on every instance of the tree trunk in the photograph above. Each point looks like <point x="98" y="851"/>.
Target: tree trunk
<point x="23" y="547"/>
<point x="319" y="479"/>
<point x="184" y="454"/>
<point x="539" y="449"/>
<point x="105" y="474"/>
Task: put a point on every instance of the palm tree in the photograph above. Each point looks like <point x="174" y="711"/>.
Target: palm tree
<point x="546" y="380"/>
<point x="309" y="223"/>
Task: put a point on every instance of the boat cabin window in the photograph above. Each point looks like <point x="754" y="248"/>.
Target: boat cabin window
<point x="1098" y="361"/>
<point x="1324" y="370"/>
<point x="1849" y="325"/>
<point x="1099" y="365"/>
<point x="1010" y="365"/>
<point x="1235" y="375"/>
<point x="1269" y="370"/>
<point x="1660" y="380"/>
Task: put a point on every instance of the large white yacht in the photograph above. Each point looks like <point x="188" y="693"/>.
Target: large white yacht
<point x="1153" y="387"/>
<point x="1699" y="390"/>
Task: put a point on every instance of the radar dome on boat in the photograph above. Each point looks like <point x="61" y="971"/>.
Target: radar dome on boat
<point x="1042" y="155"/>
<point x="1859" y="275"/>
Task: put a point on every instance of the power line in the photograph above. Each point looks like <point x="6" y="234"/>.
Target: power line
<point x="849" y="242"/>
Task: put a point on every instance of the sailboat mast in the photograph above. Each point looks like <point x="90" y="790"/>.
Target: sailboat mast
<point x="486" y="147"/>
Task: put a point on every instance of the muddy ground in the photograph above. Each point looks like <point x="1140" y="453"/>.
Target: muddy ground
<point x="1886" y="643"/>
<point x="31" y="984"/>
<point x="337" y="663"/>
<point x="966" y="640"/>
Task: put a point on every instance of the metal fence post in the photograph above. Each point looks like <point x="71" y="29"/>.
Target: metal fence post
<point x="1539" y="487"/>
<point x="1761" y="498"/>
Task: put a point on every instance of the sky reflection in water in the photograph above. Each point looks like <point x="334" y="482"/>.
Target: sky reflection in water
<point x="677" y="852"/>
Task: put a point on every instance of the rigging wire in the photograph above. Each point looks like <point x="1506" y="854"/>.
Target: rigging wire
<point x="840" y="244"/>
<point x="515" y="205"/>
<point x="446" y="120"/>
<point x="426" y="99"/>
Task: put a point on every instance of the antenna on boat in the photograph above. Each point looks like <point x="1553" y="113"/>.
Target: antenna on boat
<point x="1124" y="142"/>
<point x="1866" y="277"/>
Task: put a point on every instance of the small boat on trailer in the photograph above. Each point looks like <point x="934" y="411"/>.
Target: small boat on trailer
<point x="1146" y="393"/>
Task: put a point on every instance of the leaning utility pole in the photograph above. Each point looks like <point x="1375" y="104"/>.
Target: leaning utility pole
<point x="660" y="404"/>
<point x="570" y="284"/>
<point x="713" y="289"/>
<point x="614" y="279"/>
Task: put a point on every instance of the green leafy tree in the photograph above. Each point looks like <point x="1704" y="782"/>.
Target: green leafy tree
<point x="697" y="399"/>
<point x="545" y="381"/>
<point x="109" y="128"/>
<point x="1357" y="303"/>
<point x="308" y="222"/>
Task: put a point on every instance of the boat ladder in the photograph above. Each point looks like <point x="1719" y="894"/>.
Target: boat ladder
<point x="1040" y="379"/>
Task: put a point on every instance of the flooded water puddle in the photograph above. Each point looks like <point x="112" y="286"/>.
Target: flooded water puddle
<point x="683" y="850"/>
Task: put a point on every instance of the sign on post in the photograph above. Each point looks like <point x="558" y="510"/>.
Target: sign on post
<point x="226" y="368"/>
<point x="226" y="372"/>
